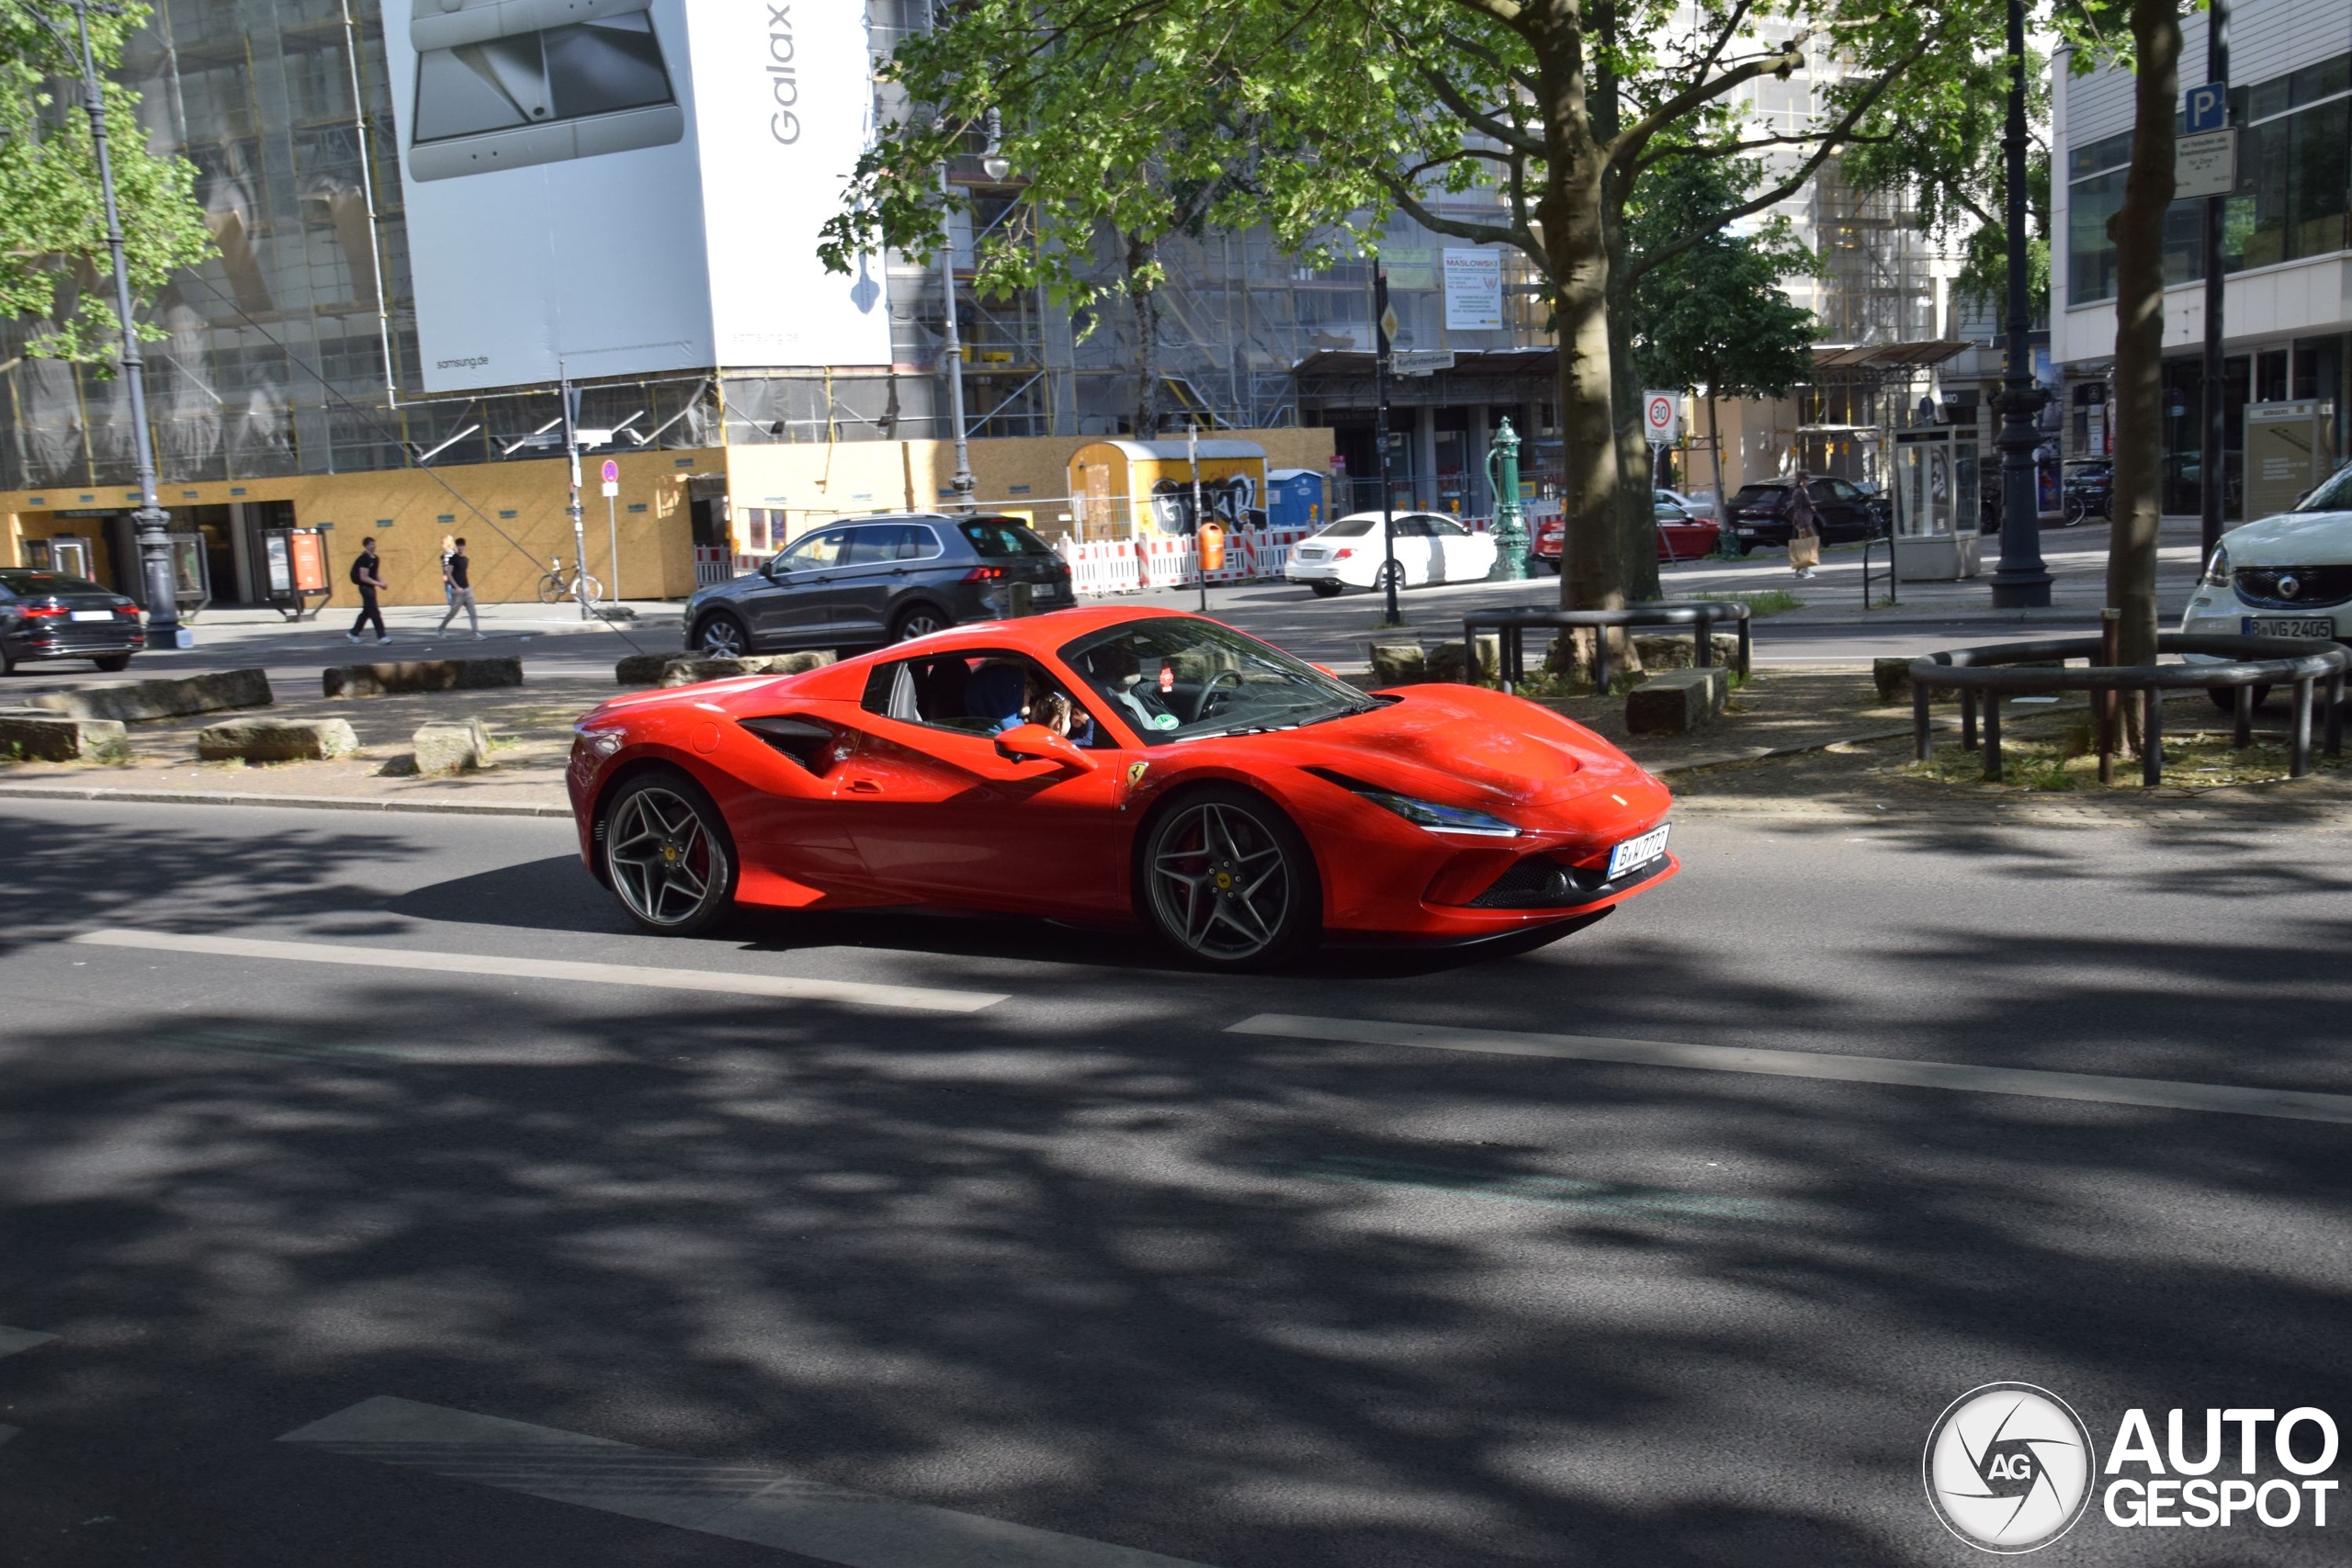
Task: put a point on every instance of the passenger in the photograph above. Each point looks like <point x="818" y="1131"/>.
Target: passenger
<point x="997" y="698"/>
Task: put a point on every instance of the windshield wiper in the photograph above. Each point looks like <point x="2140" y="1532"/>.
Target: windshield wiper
<point x="1238" y="730"/>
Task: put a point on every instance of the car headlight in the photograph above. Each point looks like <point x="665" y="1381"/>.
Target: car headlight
<point x="604" y="742"/>
<point x="1438" y="818"/>
<point x="2217" y="571"/>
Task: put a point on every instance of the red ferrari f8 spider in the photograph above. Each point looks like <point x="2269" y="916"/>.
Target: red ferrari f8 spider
<point x="1113" y="764"/>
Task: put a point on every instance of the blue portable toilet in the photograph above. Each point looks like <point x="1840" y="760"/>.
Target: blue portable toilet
<point x="1294" y="498"/>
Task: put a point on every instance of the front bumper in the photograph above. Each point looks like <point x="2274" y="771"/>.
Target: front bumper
<point x="2223" y="614"/>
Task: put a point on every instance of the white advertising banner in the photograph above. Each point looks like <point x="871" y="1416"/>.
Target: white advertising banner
<point x="608" y="188"/>
<point x="1473" y="290"/>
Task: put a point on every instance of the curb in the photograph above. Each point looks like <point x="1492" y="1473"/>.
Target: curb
<point x="289" y="802"/>
<point x="1759" y="753"/>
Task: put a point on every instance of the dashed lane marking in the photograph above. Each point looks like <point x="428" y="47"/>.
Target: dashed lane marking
<point x="2294" y="1105"/>
<point x="15" y="1340"/>
<point x="854" y="993"/>
<point x="737" y="1502"/>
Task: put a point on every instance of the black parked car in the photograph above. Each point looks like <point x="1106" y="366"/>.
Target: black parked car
<point x="2089" y="490"/>
<point x="45" y="616"/>
<point x="1841" y="513"/>
<point x="879" y="579"/>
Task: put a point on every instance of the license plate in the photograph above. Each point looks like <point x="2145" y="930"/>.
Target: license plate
<point x="1635" y="853"/>
<point x="2275" y="626"/>
<point x="1310" y="554"/>
<point x="94" y="615"/>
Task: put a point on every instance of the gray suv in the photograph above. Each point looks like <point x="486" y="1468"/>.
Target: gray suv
<point x="879" y="579"/>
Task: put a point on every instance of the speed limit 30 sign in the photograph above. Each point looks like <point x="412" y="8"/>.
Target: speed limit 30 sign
<point x="1661" y="418"/>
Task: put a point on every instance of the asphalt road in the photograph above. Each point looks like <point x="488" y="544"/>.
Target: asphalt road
<point x="864" y="1282"/>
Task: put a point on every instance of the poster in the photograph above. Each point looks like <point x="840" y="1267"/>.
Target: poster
<point x="1473" y="290"/>
<point x="611" y="187"/>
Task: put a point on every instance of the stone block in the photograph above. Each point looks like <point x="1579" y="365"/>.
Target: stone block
<point x="421" y="675"/>
<point x="1397" y="664"/>
<point x="690" y="668"/>
<point x="451" y="746"/>
<point x="1668" y="650"/>
<point x="175" y="698"/>
<point x="1892" y="679"/>
<point x="1447" y="661"/>
<point x="640" y="670"/>
<point x="39" y="736"/>
<point x="1675" y="702"/>
<point x="276" y="740"/>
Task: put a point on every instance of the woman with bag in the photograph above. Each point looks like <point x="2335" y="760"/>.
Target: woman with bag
<point x="1805" y="539"/>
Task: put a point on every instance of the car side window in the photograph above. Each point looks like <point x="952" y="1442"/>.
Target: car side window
<point x="1412" y="527"/>
<point x="979" y="692"/>
<point x="917" y="542"/>
<point x="1843" y="490"/>
<point x="820" y="550"/>
<point x="1446" y="529"/>
<point x="871" y="546"/>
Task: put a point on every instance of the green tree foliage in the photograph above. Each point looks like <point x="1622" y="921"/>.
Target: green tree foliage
<point x="55" y="269"/>
<point x="1353" y="108"/>
<point x="1714" y="314"/>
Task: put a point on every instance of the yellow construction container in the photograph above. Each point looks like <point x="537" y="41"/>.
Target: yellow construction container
<point x="1127" y="488"/>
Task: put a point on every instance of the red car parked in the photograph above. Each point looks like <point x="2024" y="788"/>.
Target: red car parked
<point x="1681" y="537"/>
<point x="1120" y="765"/>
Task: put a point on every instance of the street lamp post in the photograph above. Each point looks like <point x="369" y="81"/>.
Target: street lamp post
<point x="2022" y="581"/>
<point x="2211" y="478"/>
<point x="1192" y="451"/>
<point x="964" y="484"/>
<point x="150" y="520"/>
<point x="1381" y="349"/>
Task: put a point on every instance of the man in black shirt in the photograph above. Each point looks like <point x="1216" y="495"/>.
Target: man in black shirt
<point x="461" y="591"/>
<point x="364" y="577"/>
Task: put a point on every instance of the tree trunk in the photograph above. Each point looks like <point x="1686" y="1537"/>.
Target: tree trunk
<point x="2137" y="229"/>
<point x="1715" y="447"/>
<point x="1636" y="515"/>
<point x="1144" y="301"/>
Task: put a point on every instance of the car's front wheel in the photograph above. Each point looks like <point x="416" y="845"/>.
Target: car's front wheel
<point x="1228" y="880"/>
<point x="721" y="636"/>
<point x="668" y="854"/>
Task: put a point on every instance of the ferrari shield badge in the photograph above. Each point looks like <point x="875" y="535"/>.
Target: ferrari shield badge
<point x="1136" y="771"/>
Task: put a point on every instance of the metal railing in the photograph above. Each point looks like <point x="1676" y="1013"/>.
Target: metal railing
<point x="2017" y="669"/>
<point x="1510" y="626"/>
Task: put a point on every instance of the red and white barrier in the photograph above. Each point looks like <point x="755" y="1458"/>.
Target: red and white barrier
<point x="1099" y="567"/>
<point x="712" y="566"/>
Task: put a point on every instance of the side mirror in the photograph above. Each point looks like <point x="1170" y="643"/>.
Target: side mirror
<point x="1035" y="743"/>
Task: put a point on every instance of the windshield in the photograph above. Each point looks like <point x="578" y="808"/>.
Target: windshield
<point x="1003" y="537"/>
<point x="40" y="584"/>
<point x="1176" y="678"/>
<point x="2335" y="495"/>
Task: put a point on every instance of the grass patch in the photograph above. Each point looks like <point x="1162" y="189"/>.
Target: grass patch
<point x="1762" y="602"/>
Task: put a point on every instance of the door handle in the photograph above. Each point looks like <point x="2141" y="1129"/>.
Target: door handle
<point x="864" y="786"/>
<point x="820" y="577"/>
<point x="898" y="571"/>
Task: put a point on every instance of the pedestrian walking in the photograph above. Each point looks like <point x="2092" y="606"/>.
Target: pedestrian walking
<point x="458" y="570"/>
<point x="365" y="577"/>
<point x="1805" y="539"/>
<point x="449" y="548"/>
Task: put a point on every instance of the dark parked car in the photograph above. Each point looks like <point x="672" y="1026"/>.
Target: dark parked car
<point x="45" y="616"/>
<point x="879" y="579"/>
<point x="2089" y="490"/>
<point x="1841" y="513"/>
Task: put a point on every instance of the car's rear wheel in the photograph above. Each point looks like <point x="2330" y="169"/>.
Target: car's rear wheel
<point x="1391" y="572"/>
<point x="919" y="620"/>
<point x="1742" y="546"/>
<point x="722" y="637"/>
<point x="668" y="854"/>
<point x="2226" y="697"/>
<point x="1554" y="562"/>
<point x="1228" y="880"/>
<point x="113" y="663"/>
<point x="1325" y="590"/>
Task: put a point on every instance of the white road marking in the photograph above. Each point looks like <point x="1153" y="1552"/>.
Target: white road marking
<point x="15" y="1340"/>
<point x="762" y="1506"/>
<point x="915" y="999"/>
<point x="2296" y="1105"/>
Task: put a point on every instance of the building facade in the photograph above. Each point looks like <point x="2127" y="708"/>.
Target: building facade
<point x="2286" y="254"/>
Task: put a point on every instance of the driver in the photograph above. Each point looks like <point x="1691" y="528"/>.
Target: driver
<point x="1118" y="673"/>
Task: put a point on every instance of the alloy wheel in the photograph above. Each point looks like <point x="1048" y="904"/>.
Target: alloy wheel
<point x="663" y="860"/>
<point x="721" y="637"/>
<point x="1220" y="882"/>
<point x="919" y="623"/>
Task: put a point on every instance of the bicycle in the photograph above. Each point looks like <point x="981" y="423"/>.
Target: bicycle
<point x="555" y="587"/>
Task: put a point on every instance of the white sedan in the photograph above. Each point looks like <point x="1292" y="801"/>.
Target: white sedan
<point x="1430" y="548"/>
<point x="2288" y="575"/>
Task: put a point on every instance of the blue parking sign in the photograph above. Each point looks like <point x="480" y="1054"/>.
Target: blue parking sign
<point x="2209" y="107"/>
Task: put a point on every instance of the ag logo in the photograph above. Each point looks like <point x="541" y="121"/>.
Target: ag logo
<point x="2008" y="1467"/>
